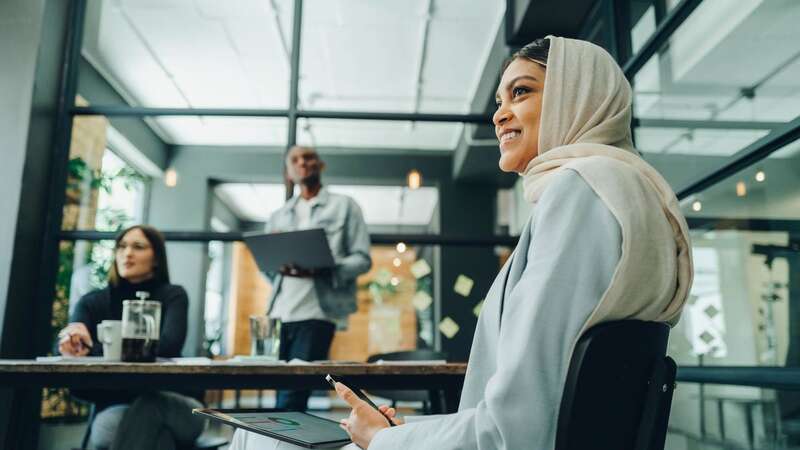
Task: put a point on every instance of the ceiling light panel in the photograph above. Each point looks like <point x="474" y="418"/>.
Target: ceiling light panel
<point x="361" y="55"/>
<point x="379" y="134"/>
<point x="224" y="131"/>
<point x="197" y="53"/>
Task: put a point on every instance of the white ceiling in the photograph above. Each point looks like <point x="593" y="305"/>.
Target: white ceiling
<point x="724" y="46"/>
<point x="362" y="55"/>
<point x="381" y="205"/>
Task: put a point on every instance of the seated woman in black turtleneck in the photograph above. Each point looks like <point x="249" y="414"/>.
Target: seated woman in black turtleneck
<point x="135" y="420"/>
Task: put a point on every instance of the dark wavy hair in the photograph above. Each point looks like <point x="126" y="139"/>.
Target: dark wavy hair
<point x="156" y="241"/>
<point x="537" y="51"/>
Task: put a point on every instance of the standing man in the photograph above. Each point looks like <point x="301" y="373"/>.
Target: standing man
<point x="311" y="305"/>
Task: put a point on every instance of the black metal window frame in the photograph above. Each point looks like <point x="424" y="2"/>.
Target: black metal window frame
<point x="778" y="137"/>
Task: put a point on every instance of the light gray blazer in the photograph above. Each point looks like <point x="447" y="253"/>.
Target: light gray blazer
<point x="563" y="263"/>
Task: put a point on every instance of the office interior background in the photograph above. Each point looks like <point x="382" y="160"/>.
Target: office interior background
<point x="178" y="113"/>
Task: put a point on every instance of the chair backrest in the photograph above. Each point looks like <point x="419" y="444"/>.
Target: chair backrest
<point x="618" y="390"/>
<point x="411" y="355"/>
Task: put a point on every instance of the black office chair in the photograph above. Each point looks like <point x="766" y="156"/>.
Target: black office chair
<point x="410" y="396"/>
<point x="203" y="442"/>
<point x="618" y="391"/>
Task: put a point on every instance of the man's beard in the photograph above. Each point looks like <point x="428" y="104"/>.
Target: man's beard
<point x="311" y="180"/>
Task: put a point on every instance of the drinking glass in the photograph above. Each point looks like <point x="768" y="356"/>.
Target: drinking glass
<point x="265" y="337"/>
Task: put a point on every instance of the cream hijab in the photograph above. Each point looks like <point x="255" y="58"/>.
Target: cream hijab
<point x="585" y="126"/>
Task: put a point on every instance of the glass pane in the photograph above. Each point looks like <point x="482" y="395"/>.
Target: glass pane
<point x="387" y="320"/>
<point x="194" y="130"/>
<point x="684" y="155"/>
<point x="218" y="280"/>
<point x="713" y="417"/>
<point x="396" y="303"/>
<point x="191" y="53"/>
<point x="377" y="56"/>
<point x="694" y="141"/>
<point x="645" y="17"/>
<point x="382" y="206"/>
<point x="104" y="190"/>
<point x="376" y="134"/>
<point x="744" y="303"/>
<point x="728" y="61"/>
<point x="767" y="190"/>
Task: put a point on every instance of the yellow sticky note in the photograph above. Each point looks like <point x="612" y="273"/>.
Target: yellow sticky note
<point x="448" y="327"/>
<point x="420" y="268"/>
<point x="422" y="300"/>
<point x="463" y="285"/>
<point x="478" y="308"/>
<point x="383" y="277"/>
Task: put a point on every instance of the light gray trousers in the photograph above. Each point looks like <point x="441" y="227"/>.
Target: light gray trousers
<point x="158" y="421"/>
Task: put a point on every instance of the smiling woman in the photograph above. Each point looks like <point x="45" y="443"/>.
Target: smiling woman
<point x="563" y="121"/>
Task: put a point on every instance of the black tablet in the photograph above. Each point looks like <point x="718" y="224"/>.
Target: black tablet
<point x="299" y="428"/>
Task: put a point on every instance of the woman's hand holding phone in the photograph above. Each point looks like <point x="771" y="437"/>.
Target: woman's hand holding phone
<point x="365" y="419"/>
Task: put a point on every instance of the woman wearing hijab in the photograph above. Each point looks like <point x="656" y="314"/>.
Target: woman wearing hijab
<point x="606" y="241"/>
<point x="135" y="420"/>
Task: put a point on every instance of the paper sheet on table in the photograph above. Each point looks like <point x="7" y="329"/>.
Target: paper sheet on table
<point x="253" y="360"/>
<point x="431" y="362"/>
<point x="191" y="360"/>
<point x="73" y="359"/>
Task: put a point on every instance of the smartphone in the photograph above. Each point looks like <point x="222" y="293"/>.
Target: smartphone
<point x="329" y="378"/>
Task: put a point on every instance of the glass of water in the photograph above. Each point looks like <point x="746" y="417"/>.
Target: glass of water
<point x="265" y="337"/>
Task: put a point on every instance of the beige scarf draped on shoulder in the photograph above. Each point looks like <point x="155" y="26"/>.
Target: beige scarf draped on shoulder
<point x="585" y="126"/>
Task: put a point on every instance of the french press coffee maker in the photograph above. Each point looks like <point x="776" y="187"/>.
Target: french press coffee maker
<point x="141" y="327"/>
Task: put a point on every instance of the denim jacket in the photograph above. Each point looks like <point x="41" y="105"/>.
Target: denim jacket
<point x="341" y="218"/>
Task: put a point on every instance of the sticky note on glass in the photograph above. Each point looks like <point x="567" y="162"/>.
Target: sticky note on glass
<point x="383" y="277"/>
<point x="422" y="300"/>
<point x="463" y="285"/>
<point x="448" y="327"/>
<point x="478" y="308"/>
<point x="420" y="268"/>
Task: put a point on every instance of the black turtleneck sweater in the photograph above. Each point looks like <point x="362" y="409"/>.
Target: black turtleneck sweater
<point x="106" y="304"/>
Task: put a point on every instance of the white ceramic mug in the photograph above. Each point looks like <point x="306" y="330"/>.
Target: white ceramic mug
<point x="109" y="332"/>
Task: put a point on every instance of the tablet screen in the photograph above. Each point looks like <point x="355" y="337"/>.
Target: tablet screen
<point x="293" y="426"/>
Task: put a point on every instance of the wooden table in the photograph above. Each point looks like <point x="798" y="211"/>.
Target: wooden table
<point x="445" y="378"/>
<point x="219" y="375"/>
<point x="444" y="381"/>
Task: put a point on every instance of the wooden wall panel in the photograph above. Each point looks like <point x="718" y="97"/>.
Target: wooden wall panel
<point x="249" y="293"/>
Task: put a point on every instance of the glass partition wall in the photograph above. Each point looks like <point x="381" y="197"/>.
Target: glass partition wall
<point x="719" y="120"/>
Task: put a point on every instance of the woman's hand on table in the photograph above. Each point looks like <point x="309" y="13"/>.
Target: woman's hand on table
<point x="364" y="422"/>
<point x="75" y="340"/>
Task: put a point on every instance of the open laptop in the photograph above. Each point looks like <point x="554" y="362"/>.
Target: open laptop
<point x="308" y="249"/>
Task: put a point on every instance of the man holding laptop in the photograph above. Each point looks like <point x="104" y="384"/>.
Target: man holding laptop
<point x="312" y="304"/>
